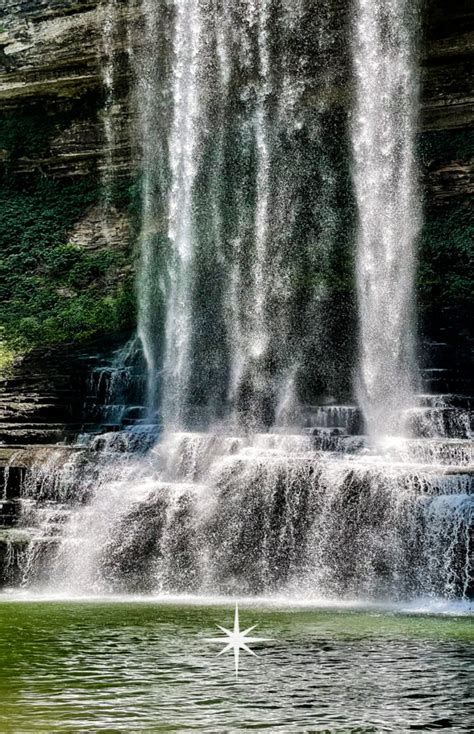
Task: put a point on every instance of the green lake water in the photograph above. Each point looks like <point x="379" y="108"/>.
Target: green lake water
<point x="145" y="666"/>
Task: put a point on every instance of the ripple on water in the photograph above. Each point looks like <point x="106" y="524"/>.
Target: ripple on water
<point x="146" y="667"/>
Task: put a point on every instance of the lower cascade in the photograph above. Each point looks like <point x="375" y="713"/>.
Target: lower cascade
<point x="314" y="513"/>
<point x="231" y="453"/>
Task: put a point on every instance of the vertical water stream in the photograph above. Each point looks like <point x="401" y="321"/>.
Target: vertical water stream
<point x="183" y="163"/>
<point x="108" y="70"/>
<point x="224" y="131"/>
<point x="150" y="53"/>
<point x="383" y="138"/>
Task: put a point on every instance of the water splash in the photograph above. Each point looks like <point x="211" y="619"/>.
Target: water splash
<point x="215" y="513"/>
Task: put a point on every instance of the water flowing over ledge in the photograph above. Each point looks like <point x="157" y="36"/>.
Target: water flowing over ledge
<point x="272" y="513"/>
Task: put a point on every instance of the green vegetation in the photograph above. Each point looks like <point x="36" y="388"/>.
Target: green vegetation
<point x="51" y="291"/>
<point x="444" y="276"/>
<point x="6" y="357"/>
<point x="25" y="135"/>
<point x="447" y="145"/>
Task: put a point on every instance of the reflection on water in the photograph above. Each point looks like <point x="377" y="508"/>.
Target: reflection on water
<point x="81" y="667"/>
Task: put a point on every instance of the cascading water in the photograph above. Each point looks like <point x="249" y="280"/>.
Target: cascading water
<point x="150" y="70"/>
<point x="183" y="167"/>
<point x="246" y="226"/>
<point x="225" y="133"/>
<point x="109" y="9"/>
<point x="383" y="138"/>
<point x="209" y="513"/>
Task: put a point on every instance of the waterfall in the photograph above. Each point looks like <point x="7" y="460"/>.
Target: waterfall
<point x="224" y="305"/>
<point x="247" y="472"/>
<point x="383" y="139"/>
<point x="151" y="77"/>
<point x="109" y="10"/>
<point x="183" y="164"/>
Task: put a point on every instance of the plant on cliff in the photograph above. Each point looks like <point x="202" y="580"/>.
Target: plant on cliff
<point x="444" y="277"/>
<point x="51" y="291"/>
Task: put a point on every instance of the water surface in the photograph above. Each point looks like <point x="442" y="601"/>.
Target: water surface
<point x="145" y="666"/>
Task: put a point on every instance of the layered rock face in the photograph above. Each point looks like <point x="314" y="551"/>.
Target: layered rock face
<point x="51" y="124"/>
<point x="447" y="98"/>
<point x="447" y="65"/>
<point x="448" y="101"/>
<point x="50" y="60"/>
<point x="447" y="159"/>
<point x="51" y="52"/>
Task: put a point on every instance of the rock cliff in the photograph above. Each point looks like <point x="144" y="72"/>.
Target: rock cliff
<point x="50" y="58"/>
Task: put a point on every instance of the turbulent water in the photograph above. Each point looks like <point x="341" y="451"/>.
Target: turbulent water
<point x="215" y="513"/>
<point x="383" y="138"/>
<point x="245" y="470"/>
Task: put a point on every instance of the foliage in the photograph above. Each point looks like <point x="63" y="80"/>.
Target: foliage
<point x="52" y="291"/>
<point x="444" y="276"/>
<point x="6" y="356"/>
<point x="25" y="135"/>
<point x="445" y="145"/>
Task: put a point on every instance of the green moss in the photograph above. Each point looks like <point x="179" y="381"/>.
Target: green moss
<point x="444" y="276"/>
<point x="26" y="134"/>
<point x="445" y="145"/>
<point x="6" y="357"/>
<point x="52" y="291"/>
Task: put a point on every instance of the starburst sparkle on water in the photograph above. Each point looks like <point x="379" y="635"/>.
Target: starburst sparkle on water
<point x="236" y="640"/>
